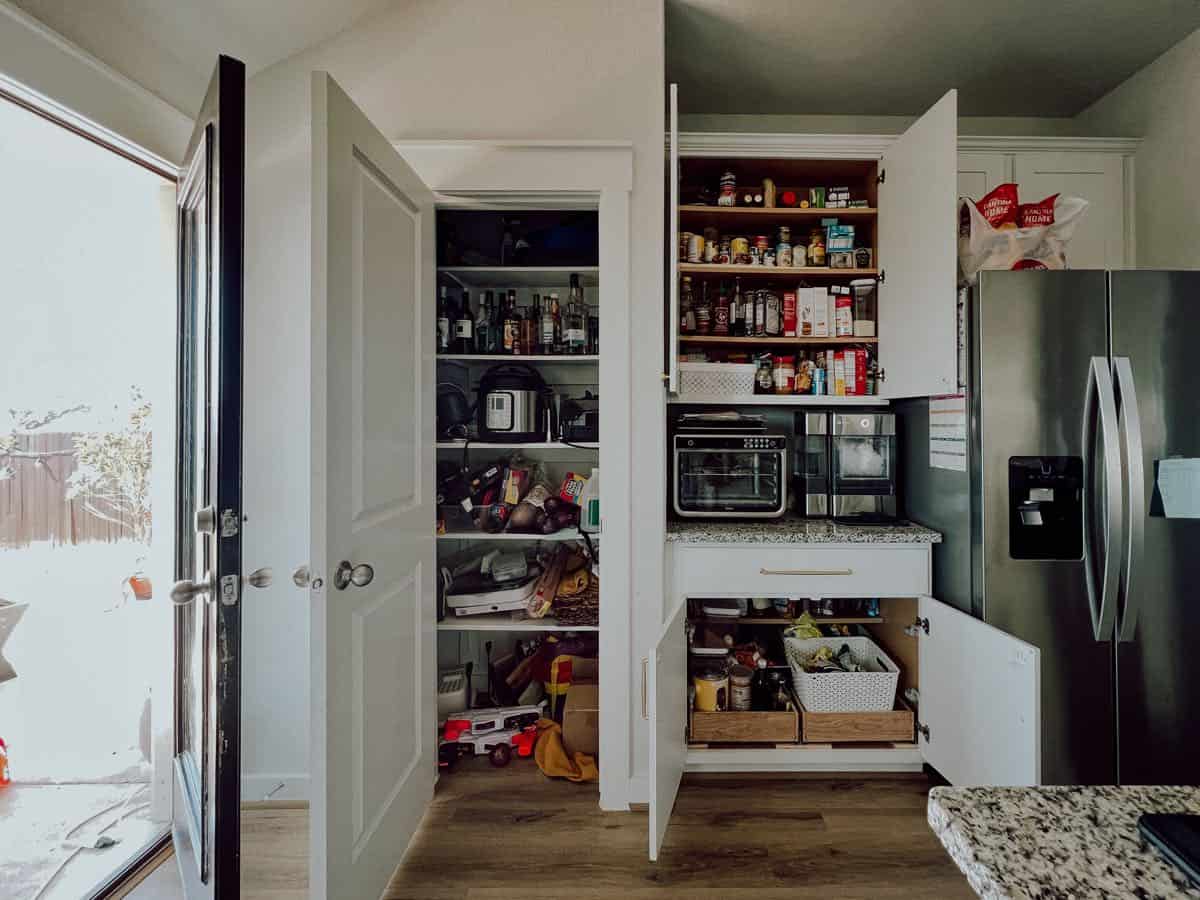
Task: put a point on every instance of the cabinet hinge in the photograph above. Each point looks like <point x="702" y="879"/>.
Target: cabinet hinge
<point x="913" y="696"/>
<point x="917" y="626"/>
<point x="881" y="375"/>
<point x="882" y="275"/>
<point x="229" y="523"/>
<point x="923" y="730"/>
<point x="881" y="177"/>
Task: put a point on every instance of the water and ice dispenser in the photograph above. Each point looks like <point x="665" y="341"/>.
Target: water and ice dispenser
<point x="1045" y="507"/>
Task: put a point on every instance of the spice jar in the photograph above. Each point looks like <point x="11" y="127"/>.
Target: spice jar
<point x="740" y="695"/>
<point x="816" y="247"/>
<point x="784" y="374"/>
<point x="783" y="247"/>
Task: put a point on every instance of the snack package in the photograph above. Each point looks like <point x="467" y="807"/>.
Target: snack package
<point x="981" y="246"/>
<point x="1036" y="215"/>
<point x="572" y="487"/>
<point x="999" y="206"/>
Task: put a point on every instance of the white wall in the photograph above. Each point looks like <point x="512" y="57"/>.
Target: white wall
<point x="450" y="69"/>
<point x="41" y="60"/>
<point x="1161" y="104"/>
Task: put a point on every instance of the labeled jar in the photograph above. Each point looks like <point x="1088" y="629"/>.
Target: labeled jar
<point x="783" y="247"/>
<point x="740" y="695"/>
<point x="816" y="247"/>
<point x="739" y="251"/>
<point x="784" y="372"/>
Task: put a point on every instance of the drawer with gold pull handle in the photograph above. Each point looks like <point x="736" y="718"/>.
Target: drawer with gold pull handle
<point x="805" y="571"/>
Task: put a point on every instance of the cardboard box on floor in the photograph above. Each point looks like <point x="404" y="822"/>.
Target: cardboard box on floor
<point x="581" y="714"/>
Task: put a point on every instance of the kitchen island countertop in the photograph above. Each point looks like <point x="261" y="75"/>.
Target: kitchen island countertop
<point x="1079" y="842"/>
<point x="793" y="530"/>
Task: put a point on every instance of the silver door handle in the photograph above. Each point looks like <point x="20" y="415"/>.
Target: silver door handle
<point x="261" y="578"/>
<point x="805" y="571"/>
<point x="185" y="591"/>
<point x="1101" y="597"/>
<point x="347" y="574"/>
<point x="1130" y="425"/>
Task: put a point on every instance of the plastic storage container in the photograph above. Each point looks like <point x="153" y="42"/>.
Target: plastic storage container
<point x="865" y="295"/>
<point x="717" y="379"/>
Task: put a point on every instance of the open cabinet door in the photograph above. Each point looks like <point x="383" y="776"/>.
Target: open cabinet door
<point x="980" y="690"/>
<point x="918" y="256"/>
<point x="667" y="689"/>
<point x="672" y="220"/>
<point x="373" y="620"/>
<point x="206" y="795"/>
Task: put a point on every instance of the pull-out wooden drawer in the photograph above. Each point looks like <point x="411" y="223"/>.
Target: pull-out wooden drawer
<point x="861" y="570"/>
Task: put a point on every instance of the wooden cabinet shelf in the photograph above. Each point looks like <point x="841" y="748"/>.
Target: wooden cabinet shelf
<point x="723" y="340"/>
<point x="790" y="213"/>
<point x="783" y="620"/>
<point x="779" y="273"/>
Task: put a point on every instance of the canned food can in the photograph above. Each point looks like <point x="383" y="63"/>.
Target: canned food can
<point x="710" y="251"/>
<point x="818" y="381"/>
<point x="695" y="251"/>
<point x="739" y="250"/>
<point x="762" y="242"/>
<point x="685" y="238"/>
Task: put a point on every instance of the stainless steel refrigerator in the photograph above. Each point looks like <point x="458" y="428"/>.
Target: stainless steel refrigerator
<point x="1076" y="525"/>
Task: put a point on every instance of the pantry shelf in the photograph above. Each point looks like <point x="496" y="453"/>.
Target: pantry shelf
<point x="778" y="273"/>
<point x="783" y="620"/>
<point x="566" y="534"/>
<point x="509" y="357"/>
<point x="505" y="622"/>
<point x="775" y="341"/>
<point x="779" y="400"/>
<point x="794" y="213"/>
<point x="475" y="277"/>
<point x="529" y="445"/>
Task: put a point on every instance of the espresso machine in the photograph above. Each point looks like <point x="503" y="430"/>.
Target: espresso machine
<point x="848" y="465"/>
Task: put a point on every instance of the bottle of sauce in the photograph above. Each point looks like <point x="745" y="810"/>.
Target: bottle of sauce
<point x="761" y="696"/>
<point x="720" y="324"/>
<point x="816" y="247"/>
<point x="704" y="312"/>
<point x="687" y="314"/>
<point x="737" y="324"/>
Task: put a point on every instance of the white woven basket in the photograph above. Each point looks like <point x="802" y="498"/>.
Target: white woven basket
<point x="870" y="691"/>
<point x="716" y="379"/>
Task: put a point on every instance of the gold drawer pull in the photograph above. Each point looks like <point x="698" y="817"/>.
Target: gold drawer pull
<point x="805" y="571"/>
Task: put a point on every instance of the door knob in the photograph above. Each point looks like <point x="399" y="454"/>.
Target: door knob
<point x="206" y="520"/>
<point x="347" y="574"/>
<point x="301" y="577"/>
<point x="185" y="591"/>
<point x="261" y="578"/>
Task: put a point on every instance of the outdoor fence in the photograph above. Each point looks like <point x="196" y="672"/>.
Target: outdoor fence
<point x="34" y="505"/>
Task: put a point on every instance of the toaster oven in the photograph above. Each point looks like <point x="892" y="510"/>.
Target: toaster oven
<point x="730" y="475"/>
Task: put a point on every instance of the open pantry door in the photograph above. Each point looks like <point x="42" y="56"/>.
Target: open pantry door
<point x="372" y="518"/>
<point x="671" y="375"/>
<point x="979" y="715"/>
<point x="668" y="706"/>
<point x="918" y="256"/>
<point x="206" y="796"/>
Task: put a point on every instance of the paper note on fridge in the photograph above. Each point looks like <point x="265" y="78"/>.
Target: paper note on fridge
<point x="1178" y="488"/>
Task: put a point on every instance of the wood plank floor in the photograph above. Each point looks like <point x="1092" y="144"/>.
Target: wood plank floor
<point x="498" y="834"/>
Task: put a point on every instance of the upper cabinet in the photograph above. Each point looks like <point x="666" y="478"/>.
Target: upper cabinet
<point x="918" y="194"/>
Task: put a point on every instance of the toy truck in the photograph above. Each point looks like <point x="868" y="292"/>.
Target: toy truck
<point x="495" y="731"/>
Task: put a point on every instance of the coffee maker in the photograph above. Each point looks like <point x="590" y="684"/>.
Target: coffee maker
<point x="848" y="466"/>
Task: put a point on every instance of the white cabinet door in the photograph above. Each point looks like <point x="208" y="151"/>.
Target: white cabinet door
<point x="980" y="700"/>
<point x="1099" y="241"/>
<point x="672" y="361"/>
<point x="372" y="518"/>
<point x="668" y="706"/>
<point x="918" y="255"/>
<point x="979" y="173"/>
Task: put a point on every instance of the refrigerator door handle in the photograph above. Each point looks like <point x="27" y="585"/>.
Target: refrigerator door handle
<point x="1130" y="426"/>
<point x="1099" y="395"/>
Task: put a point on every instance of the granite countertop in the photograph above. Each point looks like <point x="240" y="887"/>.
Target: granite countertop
<point x="1059" y="842"/>
<point x="793" y="530"/>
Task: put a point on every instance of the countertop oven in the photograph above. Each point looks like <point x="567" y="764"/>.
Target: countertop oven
<point x="730" y="475"/>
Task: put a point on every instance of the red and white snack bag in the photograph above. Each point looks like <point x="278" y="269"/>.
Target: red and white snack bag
<point x="980" y="246"/>
<point x="999" y="206"/>
<point x="1036" y="215"/>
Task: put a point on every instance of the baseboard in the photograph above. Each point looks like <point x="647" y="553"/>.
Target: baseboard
<point x="259" y="786"/>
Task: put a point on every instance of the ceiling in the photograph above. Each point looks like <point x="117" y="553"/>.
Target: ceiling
<point x="170" y="46"/>
<point x="897" y="57"/>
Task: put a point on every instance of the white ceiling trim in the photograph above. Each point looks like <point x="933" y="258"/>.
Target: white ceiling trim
<point x="874" y="146"/>
<point x="1005" y="144"/>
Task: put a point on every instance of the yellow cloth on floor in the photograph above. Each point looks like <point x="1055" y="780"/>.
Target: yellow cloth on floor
<point x="551" y="755"/>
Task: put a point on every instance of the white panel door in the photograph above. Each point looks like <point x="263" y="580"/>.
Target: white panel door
<point x="919" y="256"/>
<point x="373" y="637"/>
<point x="668" y="707"/>
<point x="980" y="700"/>
<point x="1099" y="241"/>
<point x="673" y="239"/>
<point x="979" y="173"/>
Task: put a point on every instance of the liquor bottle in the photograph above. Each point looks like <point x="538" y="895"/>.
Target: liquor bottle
<point x="748" y="313"/>
<point x="720" y="323"/>
<point x="546" y="336"/>
<point x="512" y="327"/>
<point x="529" y="330"/>
<point x="704" y="312"/>
<point x="593" y="332"/>
<point x="443" y="323"/>
<point x="535" y="319"/>
<point x="687" y="311"/>
<point x="760" y="313"/>
<point x="464" y="327"/>
<point x="483" y="325"/>
<point x="497" y="313"/>
<point x="556" y="312"/>
<point x="737" y="321"/>
<point x="576" y="330"/>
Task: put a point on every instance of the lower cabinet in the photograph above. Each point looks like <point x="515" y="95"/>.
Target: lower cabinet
<point x="965" y="699"/>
